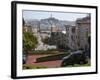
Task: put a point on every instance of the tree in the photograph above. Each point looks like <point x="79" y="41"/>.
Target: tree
<point x="46" y="40"/>
<point x="89" y="49"/>
<point x="89" y="40"/>
<point x="23" y="22"/>
<point x="29" y="41"/>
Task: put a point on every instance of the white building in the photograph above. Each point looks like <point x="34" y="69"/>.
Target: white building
<point x="72" y="37"/>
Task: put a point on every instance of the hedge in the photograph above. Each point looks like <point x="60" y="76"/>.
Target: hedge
<point x="52" y="57"/>
<point x="29" y="66"/>
<point x="45" y="52"/>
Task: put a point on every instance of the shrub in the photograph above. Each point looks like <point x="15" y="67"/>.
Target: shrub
<point x="52" y="57"/>
<point x="29" y="66"/>
<point x="45" y="52"/>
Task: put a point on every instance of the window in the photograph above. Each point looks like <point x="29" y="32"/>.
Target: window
<point x="67" y="27"/>
<point x="73" y="30"/>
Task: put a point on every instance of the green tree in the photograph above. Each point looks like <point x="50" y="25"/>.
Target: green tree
<point x="89" y="40"/>
<point x="46" y="40"/>
<point x="29" y="41"/>
<point x="23" y="22"/>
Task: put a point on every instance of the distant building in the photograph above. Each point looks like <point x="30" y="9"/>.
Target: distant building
<point x="27" y="28"/>
<point x="54" y="28"/>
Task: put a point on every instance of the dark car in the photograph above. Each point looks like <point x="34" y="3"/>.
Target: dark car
<point x="77" y="57"/>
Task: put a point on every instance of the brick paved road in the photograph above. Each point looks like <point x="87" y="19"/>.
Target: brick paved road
<point x="50" y="64"/>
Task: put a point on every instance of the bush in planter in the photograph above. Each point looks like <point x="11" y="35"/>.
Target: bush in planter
<point x="52" y="57"/>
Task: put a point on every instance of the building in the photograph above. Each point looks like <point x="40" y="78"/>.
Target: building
<point x="72" y="37"/>
<point x="54" y="28"/>
<point x="84" y="30"/>
<point x="27" y="28"/>
<point x="77" y="35"/>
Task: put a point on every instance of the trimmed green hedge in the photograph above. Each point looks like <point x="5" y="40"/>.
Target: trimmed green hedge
<point x="52" y="57"/>
<point x="29" y="66"/>
<point x="45" y="52"/>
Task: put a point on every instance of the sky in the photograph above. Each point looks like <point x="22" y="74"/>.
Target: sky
<point x="28" y="14"/>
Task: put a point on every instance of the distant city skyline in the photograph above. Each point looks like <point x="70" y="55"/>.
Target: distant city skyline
<point x="68" y="16"/>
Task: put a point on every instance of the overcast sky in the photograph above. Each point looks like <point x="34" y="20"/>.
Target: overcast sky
<point x="58" y="15"/>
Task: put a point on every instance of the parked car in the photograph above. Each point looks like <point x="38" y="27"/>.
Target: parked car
<point x="77" y="57"/>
